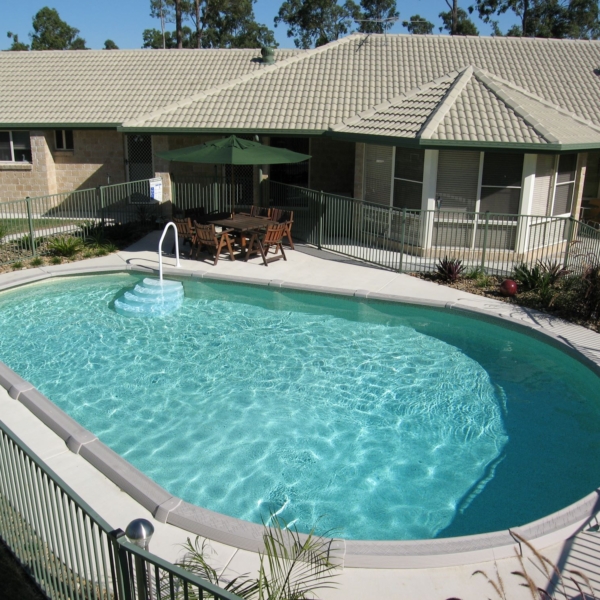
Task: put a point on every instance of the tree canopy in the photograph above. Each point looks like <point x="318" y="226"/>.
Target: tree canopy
<point x="110" y="45"/>
<point x="16" y="44"/>
<point x="577" y="19"/>
<point x="224" y="24"/>
<point x="316" y="22"/>
<point x="462" y="25"/>
<point x="419" y="25"/>
<point x="377" y="16"/>
<point x="50" y="32"/>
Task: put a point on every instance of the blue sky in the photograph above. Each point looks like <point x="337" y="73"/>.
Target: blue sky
<point x="124" y="20"/>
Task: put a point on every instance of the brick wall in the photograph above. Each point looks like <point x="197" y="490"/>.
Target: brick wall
<point x="19" y="180"/>
<point x="96" y="156"/>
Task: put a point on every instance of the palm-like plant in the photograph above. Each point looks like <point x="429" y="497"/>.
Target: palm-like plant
<point x="292" y="567"/>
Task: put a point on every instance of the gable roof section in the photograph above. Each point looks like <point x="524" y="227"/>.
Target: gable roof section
<point x="106" y="87"/>
<point x="476" y="108"/>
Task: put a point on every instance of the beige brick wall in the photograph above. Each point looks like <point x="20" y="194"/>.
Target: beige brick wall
<point x="18" y="180"/>
<point x="97" y="155"/>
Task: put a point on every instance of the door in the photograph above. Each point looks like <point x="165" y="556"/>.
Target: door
<point x="139" y="157"/>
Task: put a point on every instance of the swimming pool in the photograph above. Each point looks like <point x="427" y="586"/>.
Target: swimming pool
<point x="249" y="401"/>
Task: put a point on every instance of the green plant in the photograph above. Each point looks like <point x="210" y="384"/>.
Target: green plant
<point x="101" y="252"/>
<point x="88" y="254"/>
<point x="450" y="269"/>
<point x="16" y="266"/>
<point x="67" y="246"/>
<point x="56" y="260"/>
<point x="36" y="262"/>
<point x="529" y="278"/>
<point x="290" y="568"/>
<point x="3" y="231"/>
<point x="553" y="271"/>
<point x="480" y="277"/>
<point x="554" y="579"/>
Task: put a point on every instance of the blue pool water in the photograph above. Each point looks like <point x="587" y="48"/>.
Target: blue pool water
<point x="377" y="420"/>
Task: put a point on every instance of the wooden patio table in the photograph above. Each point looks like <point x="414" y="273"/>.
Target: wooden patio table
<point x="241" y="224"/>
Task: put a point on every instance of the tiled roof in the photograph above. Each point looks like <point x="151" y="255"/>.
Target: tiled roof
<point x="111" y="86"/>
<point x="436" y="88"/>
<point x="476" y="107"/>
<point x="388" y="81"/>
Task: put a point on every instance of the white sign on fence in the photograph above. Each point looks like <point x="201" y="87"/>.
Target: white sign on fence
<point x="156" y="189"/>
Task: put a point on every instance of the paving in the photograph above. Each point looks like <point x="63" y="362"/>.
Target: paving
<point x="308" y="267"/>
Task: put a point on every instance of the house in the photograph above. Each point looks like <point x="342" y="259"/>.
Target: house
<point x="471" y="124"/>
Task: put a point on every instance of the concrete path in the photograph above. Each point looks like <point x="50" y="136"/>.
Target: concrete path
<point x="307" y="266"/>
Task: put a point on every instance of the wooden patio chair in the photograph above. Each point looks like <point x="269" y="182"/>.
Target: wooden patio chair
<point x="287" y="217"/>
<point x="207" y="237"/>
<point x="185" y="231"/>
<point x="258" y="211"/>
<point x="263" y="241"/>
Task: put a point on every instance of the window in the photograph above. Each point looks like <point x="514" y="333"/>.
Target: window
<point x="408" y="178"/>
<point x="63" y="139"/>
<point x="501" y="183"/>
<point x="15" y="146"/>
<point x="565" y="184"/>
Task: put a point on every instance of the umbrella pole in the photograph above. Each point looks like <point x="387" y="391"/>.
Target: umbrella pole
<point x="232" y="190"/>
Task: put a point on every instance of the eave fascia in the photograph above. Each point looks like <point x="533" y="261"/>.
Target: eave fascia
<point x="66" y="125"/>
<point x="225" y="131"/>
<point x="380" y="140"/>
<point x="509" y="146"/>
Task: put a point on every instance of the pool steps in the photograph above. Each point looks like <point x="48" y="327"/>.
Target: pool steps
<point x="151" y="298"/>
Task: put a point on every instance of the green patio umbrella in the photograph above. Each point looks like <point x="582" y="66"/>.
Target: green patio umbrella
<point x="234" y="151"/>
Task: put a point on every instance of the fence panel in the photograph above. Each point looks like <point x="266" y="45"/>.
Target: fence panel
<point x="68" y="549"/>
<point x="214" y="194"/>
<point x="16" y="229"/>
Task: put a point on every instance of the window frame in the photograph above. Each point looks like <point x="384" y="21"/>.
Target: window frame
<point x="562" y="183"/>
<point x="63" y="135"/>
<point x="12" y="160"/>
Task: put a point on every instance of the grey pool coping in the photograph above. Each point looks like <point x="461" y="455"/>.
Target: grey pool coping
<point x="167" y="508"/>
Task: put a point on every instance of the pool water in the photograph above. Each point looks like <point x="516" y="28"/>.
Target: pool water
<point x="375" y="420"/>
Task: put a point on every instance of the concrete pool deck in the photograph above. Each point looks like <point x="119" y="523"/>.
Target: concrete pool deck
<point x="308" y="268"/>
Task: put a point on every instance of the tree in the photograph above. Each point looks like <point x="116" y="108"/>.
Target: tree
<point x="460" y="25"/>
<point x="418" y="25"/>
<point x="16" y="44"/>
<point x="153" y="38"/>
<point x="546" y="18"/>
<point x="178" y="19"/>
<point x="377" y="16"/>
<point x="223" y="24"/>
<point x="110" y="45"/>
<point x="52" y="33"/>
<point x="316" y="22"/>
<point x="163" y="10"/>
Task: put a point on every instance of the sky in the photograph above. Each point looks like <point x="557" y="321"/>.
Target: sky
<point x="124" y="20"/>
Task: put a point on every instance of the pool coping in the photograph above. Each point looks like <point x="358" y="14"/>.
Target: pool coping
<point x="376" y="554"/>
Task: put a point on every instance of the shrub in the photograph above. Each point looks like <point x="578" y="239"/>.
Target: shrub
<point x="529" y="278"/>
<point x="3" y="232"/>
<point x="67" y="246"/>
<point x="56" y="260"/>
<point x="545" y="274"/>
<point x="16" y="266"/>
<point x="36" y="262"/>
<point x="450" y="269"/>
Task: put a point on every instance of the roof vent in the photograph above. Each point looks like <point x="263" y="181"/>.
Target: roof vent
<point x="268" y="55"/>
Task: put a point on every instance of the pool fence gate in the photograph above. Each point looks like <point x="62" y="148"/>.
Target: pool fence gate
<point x="394" y="238"/>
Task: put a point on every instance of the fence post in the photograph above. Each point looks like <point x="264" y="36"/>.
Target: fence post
<point x="320" y="234"/>
<point x="485" y="235"/>
<point x="571" y="226"/>
<point x="402" y="240"/>
<point x="31" y="230"/>
<point x="100" y="196"/>
<point x="119" y="565"/>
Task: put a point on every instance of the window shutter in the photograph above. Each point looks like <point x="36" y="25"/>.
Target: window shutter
<point x="458" y="173"/>
<point x="544" y="171"/>
<point x="378" y="174"/>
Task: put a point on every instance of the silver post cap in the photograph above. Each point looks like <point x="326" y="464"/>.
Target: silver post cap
<point x="139" y="532"/>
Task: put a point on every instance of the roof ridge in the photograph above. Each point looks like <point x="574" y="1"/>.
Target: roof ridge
<point x="395" y="101"/>
<point x="234" y="82"/>
<point x="439" y="113"/>
<point x="493" y="82"/>
<point x="494" y="87"/>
